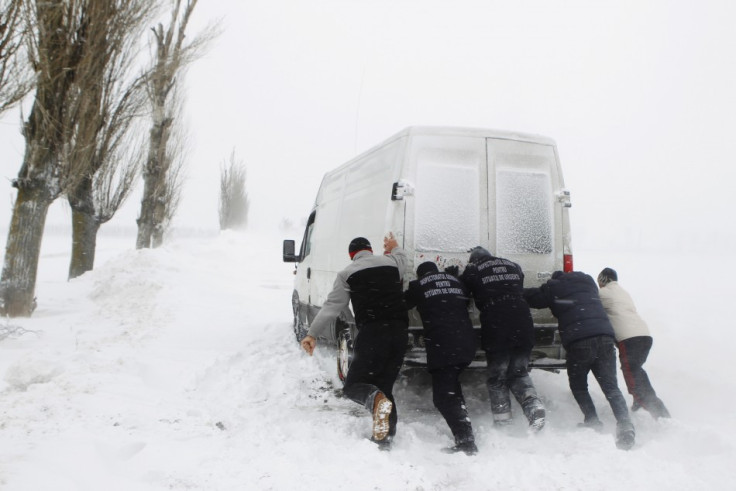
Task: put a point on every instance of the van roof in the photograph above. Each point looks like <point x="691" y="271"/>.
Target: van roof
<point x="442" y="131"/>
<point x="452" y="131"/>
<point x="457" y="131"/>
<point x="475" y="132"/>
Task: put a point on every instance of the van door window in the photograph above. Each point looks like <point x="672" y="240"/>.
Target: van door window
<point x="307" y="241"/>
<point x="524" y="197"/>
<point x="448" y="196"/>
<point x="523" y="212"/>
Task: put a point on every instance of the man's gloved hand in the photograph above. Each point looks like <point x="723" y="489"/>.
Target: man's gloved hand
<point x="453" y="270"/>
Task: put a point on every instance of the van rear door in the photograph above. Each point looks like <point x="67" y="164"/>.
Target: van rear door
<point x="450" y="213"/>
<point x="525" y="223"/>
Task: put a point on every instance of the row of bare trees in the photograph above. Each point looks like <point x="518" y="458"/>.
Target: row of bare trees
<point x="85" y="135"/>
<point x="234" y="202"/>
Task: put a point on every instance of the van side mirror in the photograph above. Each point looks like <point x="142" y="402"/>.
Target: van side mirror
<point x="288" y="252"/>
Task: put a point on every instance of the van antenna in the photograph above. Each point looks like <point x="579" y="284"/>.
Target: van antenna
<point x="357" y="110"/>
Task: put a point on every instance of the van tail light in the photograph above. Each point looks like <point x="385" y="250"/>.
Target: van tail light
<point x="567" y="263"/>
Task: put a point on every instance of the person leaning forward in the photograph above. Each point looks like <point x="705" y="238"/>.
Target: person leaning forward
<point x="634" y="342"/>
<point x="374" y="286"/>
<point x="442" y="302"/>
<point x="588" y="339"/>
<point x="507" y="334"/>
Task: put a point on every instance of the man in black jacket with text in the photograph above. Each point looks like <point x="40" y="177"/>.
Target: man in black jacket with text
<point x="588" y="339"/>
<point x="507" y="334"/>
<point x="442" y="302"/>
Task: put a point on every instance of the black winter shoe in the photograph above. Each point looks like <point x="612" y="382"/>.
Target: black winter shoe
<point x="625" y="436"/>
<point x="594" y="423"/>
<point x="468" y="448"/>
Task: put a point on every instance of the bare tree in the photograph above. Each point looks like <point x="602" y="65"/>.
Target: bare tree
<point x="67" y="45"/>
<point x="16" y="78"/>
<point x="234" y="202"/>
<point x="171" y="59"/>
<point x="102" y="141"/>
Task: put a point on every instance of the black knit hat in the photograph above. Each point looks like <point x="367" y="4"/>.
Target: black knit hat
<point x="358" y="244"/>
<point x="606" y="276"/>
<point x="426" y="267"/>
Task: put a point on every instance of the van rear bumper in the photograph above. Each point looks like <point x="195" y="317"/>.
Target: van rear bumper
<point x="547" y="353"/>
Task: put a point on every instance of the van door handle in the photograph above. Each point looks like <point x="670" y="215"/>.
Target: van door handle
<point x="309" y="273"/>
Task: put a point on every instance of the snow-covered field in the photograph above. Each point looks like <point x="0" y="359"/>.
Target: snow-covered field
<point x="176" y="369"/>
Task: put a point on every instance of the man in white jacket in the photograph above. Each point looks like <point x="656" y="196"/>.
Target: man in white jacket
<point x="634" y="343"/>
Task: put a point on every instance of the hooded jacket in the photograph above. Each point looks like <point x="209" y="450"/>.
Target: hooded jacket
<point x="374" y="286"/>
<point x="622" y="312"/>
<point x="573" y="299"/>
<point x="497" y="286"/>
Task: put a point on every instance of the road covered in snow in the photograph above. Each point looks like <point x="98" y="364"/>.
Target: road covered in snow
<point x="177" y="369"/>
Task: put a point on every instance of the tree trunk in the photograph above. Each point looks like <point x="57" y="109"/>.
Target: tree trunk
<point x="145" y="220"/>
<point x="22" y="252"/>
<point x="159" y="217"/>
<point x="153" y="180"/>
<point x="84" y="242"/>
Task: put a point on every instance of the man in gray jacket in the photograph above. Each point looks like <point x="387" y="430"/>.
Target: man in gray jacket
<point x="374" y="286"/>
<point x="634" y="343"/>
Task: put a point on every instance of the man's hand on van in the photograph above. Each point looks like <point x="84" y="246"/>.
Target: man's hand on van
<point x="389" y="243"/>
<point x="308" y="343"/>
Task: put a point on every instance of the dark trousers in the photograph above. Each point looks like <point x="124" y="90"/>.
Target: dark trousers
<point x="633" y="353"/>
<point x="447" y="396"/>
<point x="596" y="354"/>
<point x="508" y="372"/>
<point x="377" y="358"/>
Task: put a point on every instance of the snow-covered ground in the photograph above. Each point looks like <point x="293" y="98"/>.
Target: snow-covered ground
<point x="177" y="369"/>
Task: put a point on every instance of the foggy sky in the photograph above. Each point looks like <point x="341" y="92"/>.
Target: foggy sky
<point x="638" y="95"/>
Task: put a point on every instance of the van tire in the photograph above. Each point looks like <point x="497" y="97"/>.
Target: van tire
<point x="344" y="353"/>
<point x="300" y="330"/>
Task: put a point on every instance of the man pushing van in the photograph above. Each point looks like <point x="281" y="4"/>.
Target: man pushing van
<point x="374" y="285"/>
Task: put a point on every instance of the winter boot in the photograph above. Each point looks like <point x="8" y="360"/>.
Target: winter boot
<point x="657" y="409"/>
<point x="535" y="413"/>
<point x="592" y="422"/>
<point x="536" y="419"/>
<point x="382" y="407"/>
<point x="468" y="447"/>
<point x="625" y="435"/>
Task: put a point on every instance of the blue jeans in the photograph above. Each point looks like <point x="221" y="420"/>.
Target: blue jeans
<point x="596" y="354"/>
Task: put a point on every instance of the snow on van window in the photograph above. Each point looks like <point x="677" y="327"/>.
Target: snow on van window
<point x="447" y="200"/>
<point x="523" y="212"/>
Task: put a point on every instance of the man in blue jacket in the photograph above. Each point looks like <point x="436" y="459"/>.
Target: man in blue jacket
<point x="588" y="339"/>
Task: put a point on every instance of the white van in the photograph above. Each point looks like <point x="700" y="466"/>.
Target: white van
<point x="441" y="191"/>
